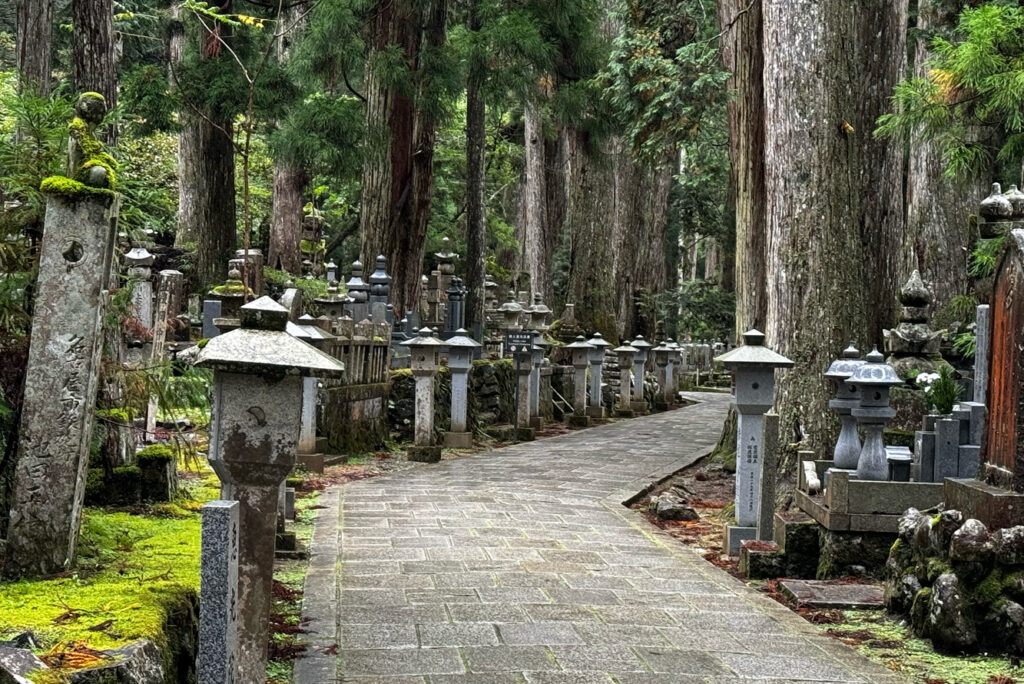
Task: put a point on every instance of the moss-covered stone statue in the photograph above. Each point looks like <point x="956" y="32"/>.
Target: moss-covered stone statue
<point x="90" y="169"/>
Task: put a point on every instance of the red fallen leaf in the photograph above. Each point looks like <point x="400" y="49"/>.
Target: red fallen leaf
<point x="101" y="627"/>
<point x="331" y="650"/>
<point x="1001" y="679"/>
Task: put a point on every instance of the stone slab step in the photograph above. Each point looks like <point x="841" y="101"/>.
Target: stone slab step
<point x="829" y="594"/>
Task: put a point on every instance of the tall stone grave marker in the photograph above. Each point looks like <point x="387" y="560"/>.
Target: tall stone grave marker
<point x="62" y="374"/>
<point x="580" y="350"/>
<point x="424" y="360"/>
<point x="218" y="594"/>
<point x="753" y="366"/>
<point x="460" y="360"/>
<point x="257" y="402"/>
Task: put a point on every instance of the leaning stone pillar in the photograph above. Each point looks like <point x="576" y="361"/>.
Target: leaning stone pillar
<point x="61" y="382"/>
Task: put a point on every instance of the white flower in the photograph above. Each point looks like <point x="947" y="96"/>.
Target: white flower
<point x="927" y="379"/>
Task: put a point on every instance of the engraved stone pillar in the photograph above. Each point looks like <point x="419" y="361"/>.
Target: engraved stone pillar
<point x="981" y="347"/>
<point x="218" y="594"/>
<point x="424" y="360"/>
<point x="626" y="355"/>
<point x="460" y="360"/>
<point x="580" y="350"/>
<point x="643" y="348"/>
<point x="60" y="383"/>
<point x="599" y="344"/>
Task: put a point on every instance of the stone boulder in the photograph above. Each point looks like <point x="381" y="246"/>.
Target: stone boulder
<point x="900" y="593"/>
<point x="971" y="543"/>
<point x="138" y="663"/>
<point x="1009" y="545"/>
<point x="941" y="533"/>
<point x="16" y="664"/>
<point x="908" y="524"/>
<point x="1003" y="627"/>
<point x="672" y="507"/>
<point x="948" y="623"/>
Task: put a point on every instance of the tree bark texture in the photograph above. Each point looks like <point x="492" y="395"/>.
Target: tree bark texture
<point x="476" y="208"/>
<point x="94" y="65"/>
<point x="743" y="56"/>
<point x="881" y="54"/>
<point x="533" y="225"/>
<point x="206" y="195"/>
<point x="286" y="222"/>
<point x="398" y="176"/>
<point x="284" y="250"/>
<point x="816" y="294"/>
<point x="34" y="44"/>
<point x="937" y="238"/>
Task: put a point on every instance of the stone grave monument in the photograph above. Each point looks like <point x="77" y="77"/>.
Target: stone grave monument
<point x="461" y="348"/>
<point x="580" y="350"/>
<point x="424" y="352"/>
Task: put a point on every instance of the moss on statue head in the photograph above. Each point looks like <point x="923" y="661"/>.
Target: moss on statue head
<point x="69" y="187"/>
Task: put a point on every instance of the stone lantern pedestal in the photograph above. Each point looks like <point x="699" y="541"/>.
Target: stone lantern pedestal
<point x="599" y="344"/>
<point x="580" y="350"/>
<point x="540" y="346"/>
<point x="461" y="348"/>
<point x="257" y="404"/>
<point x="643" y="348"/>
<point x="847" y="450"/>
<point x="662" y="358"/>
<point x="626" y="355"/>
<point x="424" y="360"/>
<point x="753" y="366"/>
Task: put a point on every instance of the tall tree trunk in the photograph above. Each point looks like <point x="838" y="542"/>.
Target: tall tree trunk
<point x="398" y="174"/>
<point x="938" y="207"/>
<point x="34" y="44"/>
<point x="206" y="171"/>
<point x="536" y="258"/>
<point x="93" y="37"/>
<point x="743" y="56"/>
<point x="476" y="209"/>
<point x="881" y="54"/>
<point x="591" y="204"/>
<point x="284" y="250"/>
<point x="816" y="297"/>
<point x="286" y="222"/>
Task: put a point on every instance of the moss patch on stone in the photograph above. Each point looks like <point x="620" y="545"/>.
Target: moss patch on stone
<point x="69" y="187"/>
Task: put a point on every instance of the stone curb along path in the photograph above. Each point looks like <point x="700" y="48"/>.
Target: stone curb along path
<point x="521" y="565"/>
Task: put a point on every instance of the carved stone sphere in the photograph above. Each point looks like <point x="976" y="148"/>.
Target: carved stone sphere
<point x="91" y="108"/>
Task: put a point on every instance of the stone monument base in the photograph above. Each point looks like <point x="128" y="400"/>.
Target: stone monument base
<point x="458" y="440"/>
<point x="625" y="412"/>
<point x="286" y="541"/>
<point x="579" y="421"/>
<point x="424" y="454"/>
<point x="537" y="423"/>
<point x="314" y="463"/>
<point x="596" y="412"/>
<point x="661" y="405"/>
<point x="639" y="407"/>
<point x="997" y="508"/>
<point x="526" y="434"/>
<point x="735" y="536"/>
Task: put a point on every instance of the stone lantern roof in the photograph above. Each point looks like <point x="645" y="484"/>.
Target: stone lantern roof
<point x="846" y="365"/>
<point x="640" y="343"/>
<point x="875" y="372"/>
<point x="462" y="340"/>
<point x="263" y="347"/>
<point x="753" y="353"/>
<point x="424" y="338"/>
<point x="580" y="343"/>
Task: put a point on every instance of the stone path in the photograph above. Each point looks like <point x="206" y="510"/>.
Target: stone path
<point x="522" y="566"/>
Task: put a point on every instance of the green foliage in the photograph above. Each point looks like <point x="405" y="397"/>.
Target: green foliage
<point x="965" y="344"/>
<point x="146" y="103"/>
<point x="943" y="392"/>
<point x="983" y="258"/>
<point x="699" y="309"/>
<point x="975" y="83"/>
<point x="311" y="289"/>
<point x="149" y="183"/>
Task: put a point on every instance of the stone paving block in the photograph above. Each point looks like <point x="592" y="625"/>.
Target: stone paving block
<point x="634" y="615"/>
<point x="490" y="613"/>
<point x="626" y="635"/>
<point x="457" y="634"/>
<point x="599" y="658"/>
<point x="567" y="678"/>
<point x="409" y="581"/>
<point x="585" y="597"/>
<point x="688" y="639"/>
<point x="413" y="661"/>
<point x="539" y="633"/>
<point x="560" y="612"/>
<point x="784" y="667"/>
<point x="443" y="596"/>
<point x="677" y="662"/>
<point x="486" y="678"/>
<point x="509" y="659"/>
<point x="370" y="615"/>
<point x="377" y="636"/>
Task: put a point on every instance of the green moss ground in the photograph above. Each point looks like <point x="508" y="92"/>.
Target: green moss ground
<point x="892" y="644"/>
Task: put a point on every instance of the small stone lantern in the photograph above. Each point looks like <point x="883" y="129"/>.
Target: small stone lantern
<point x="424" y="360"/>
<point x="873" y="380"/>
<point x="333" y="304"/>
<point x="580" y="350"/>
<point x="643" y="348"/>
<point x="662" y="355"/>
<point x="257" y="404"/>
<point x="753" y="366"/>
<point x="627" y="354"/>
<point x="140" y="268"/>
<point x="599" y="344"/>
<point x="539" y="313"/>
<point x="672" y="372"/>
<point x="380" y="290"/>
<point x="847" y="451"/>
<point x="511" y="312"/>
<point x="332" y="271"/>
<point x="461" y="349"/>
<point x="540" y="347"/>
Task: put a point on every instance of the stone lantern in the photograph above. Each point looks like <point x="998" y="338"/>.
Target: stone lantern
<point x="511" y="312"/>
<point x="539" y="313"/>
<point x="380" y="290"/>
<point x="455" y="311"/>
<point x="873" y="380"/>
<point x="359" y="293"/>
<point x="753" y="366"/>
<point x="627" y="354"/>
<point x="643" y="348"/>
<point x="461" y="349"/>
<point x="662" y="356"/>
<point x="599" y="344"/>
<point x="847" y="451"/>
<point x="333" y="304"/>
<point x="539" y="351"/>
<point x="424" y="360"/>
<point x="672" y="370"/>
<point x="257" y="403"/>
<point x="332" y="271"/>
<point x="580" y="350"/>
